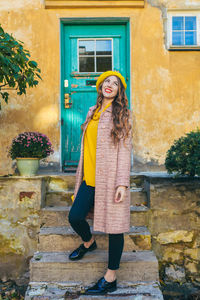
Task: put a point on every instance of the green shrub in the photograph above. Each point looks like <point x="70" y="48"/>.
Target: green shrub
<point x="17" y="71"/>
<point x="184" y="155"/>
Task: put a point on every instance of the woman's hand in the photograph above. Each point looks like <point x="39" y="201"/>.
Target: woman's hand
<point x="120" y="193"/>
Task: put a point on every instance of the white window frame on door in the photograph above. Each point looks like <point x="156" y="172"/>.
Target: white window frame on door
<point x="93" y="39"/>
<point x="182" y="13"/>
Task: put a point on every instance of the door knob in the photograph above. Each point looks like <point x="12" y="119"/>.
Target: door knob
<point x="68" y="102"/>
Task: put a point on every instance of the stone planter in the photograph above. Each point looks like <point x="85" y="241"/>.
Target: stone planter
<point x="27" y="166"/>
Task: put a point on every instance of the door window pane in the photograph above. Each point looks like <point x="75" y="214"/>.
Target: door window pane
<point x="95" y="55"/>
<point x="86" y="64"/>
<point x="103" y="47"/>
<point x="86" y="47"/>
<point x="104" y="64"/>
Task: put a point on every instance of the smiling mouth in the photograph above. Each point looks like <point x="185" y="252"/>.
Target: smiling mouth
<point x="108" y="90"/>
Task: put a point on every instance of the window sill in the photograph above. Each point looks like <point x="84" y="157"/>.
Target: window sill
<point x="184" y="48"/>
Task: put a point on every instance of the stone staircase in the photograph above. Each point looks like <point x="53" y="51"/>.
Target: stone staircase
<point x="54" y="276"/>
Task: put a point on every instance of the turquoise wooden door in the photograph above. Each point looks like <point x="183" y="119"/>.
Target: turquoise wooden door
<point x="88" y="50"/>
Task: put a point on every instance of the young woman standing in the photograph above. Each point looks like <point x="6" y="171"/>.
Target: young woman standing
<point x="102" y="188"/>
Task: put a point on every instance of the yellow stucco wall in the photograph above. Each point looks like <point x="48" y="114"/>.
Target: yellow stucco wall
<point x="165" y="85"/>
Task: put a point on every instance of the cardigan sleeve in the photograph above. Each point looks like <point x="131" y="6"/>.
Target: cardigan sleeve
<point x="124" y="160"/>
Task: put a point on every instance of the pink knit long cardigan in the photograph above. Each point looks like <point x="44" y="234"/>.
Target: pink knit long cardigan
<point x="112" y="169"/>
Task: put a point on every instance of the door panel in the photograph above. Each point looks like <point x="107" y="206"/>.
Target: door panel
<point x="88" y="51"/>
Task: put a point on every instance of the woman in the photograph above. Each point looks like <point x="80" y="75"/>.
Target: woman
<point x="102" y="186"/>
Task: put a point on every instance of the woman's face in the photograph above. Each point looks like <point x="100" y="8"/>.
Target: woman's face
<point x="110" y="87"/>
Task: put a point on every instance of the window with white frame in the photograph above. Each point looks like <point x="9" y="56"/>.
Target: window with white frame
<point x="183" y="30"/>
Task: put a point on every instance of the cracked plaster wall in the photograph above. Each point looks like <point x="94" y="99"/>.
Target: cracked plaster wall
<point x="165" y="85"/>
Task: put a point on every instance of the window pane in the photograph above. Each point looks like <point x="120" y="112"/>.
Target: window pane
<point x="177" y="38"/>
<point x="190" y="23"/>
<point x="190" y="38"/>
<point x="104" y="64"/>
<point x="86" y="47"/>
<point x="86" y="64"/>
<point x="177" y="23"/>
<point x="103" y="47"/>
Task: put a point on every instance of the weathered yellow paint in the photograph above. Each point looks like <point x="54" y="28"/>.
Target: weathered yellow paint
<point x="165" y="86"/>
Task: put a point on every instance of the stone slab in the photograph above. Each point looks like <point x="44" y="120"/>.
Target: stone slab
<point x="61" y="182"/>
<point x="138" y="196"/>
<point x="125" y="290"/>
<point x="65" y="238"/>
<point x="58" y="216"/>
<point x="139" y="215"/>
<point x="59" y="198"/>
<point x="63" y="197"/>
<point x="174" y="194"/>
<point x="56" y="266"/>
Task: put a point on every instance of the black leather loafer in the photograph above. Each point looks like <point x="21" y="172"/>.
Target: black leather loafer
<point x="102" y="287"/>
<point x="81" y="250"/>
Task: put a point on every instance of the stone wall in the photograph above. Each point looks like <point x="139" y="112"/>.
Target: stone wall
<point x="20" y="203"/>
<point x="173" y="220"/>
<point x="174" y="223"/>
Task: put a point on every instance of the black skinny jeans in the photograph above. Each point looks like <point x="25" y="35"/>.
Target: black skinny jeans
<point x="82" y="204"/>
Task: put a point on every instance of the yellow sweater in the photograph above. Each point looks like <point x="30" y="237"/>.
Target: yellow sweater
<point x="90" y="143"/>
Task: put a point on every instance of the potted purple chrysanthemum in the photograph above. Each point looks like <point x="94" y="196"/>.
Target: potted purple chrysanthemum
<point x="28" y="148"/>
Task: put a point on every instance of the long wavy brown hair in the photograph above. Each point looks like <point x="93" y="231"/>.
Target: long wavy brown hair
<point x="120" y="113"/>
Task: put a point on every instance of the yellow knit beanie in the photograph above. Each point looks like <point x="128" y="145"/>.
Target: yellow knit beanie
<point x="107" y="74"/>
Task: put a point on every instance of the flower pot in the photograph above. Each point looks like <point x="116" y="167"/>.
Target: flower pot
<point x="27" y="166"/>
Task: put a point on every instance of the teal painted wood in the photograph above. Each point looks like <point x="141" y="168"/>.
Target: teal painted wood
<point x="82" y="95"/>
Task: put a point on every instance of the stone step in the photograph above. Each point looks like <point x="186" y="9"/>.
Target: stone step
<point x="125" y="290"/>
<point x="65" y="238"/>
<point x="67" y="182"/>
<point x="56" y="267"/>
<point x="61" y="182"/>
<point x="58" y="216"/>
<point x="63" y="198"/>
<point x="59" y="198"/>
<point x="138" y="196"/>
